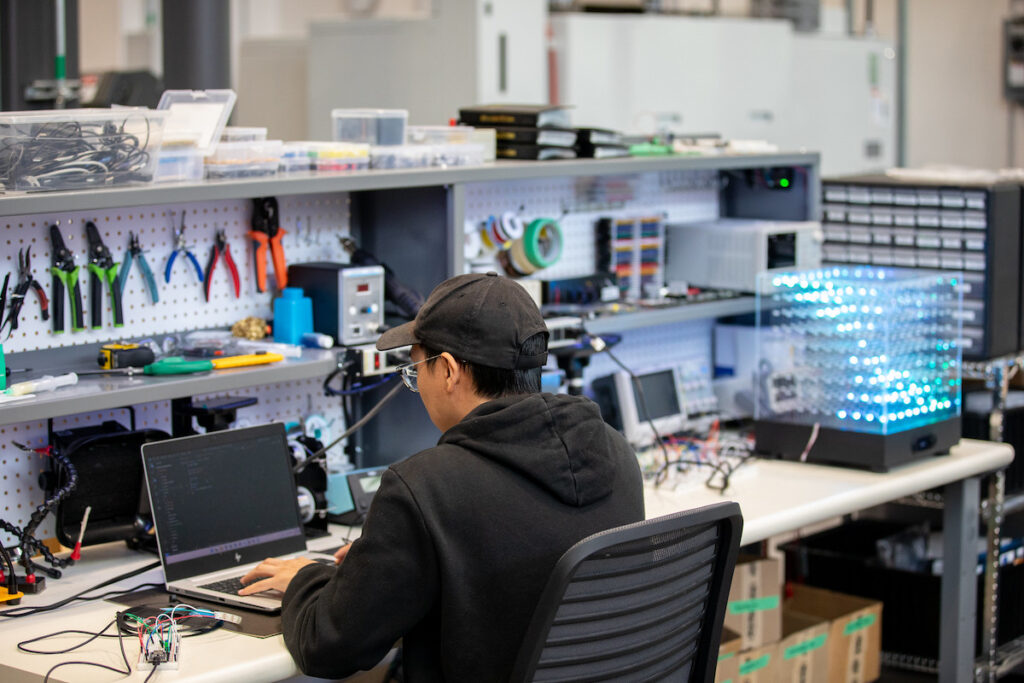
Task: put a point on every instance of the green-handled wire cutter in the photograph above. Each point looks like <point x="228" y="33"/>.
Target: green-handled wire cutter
<point x="104" y="271"/>
<point x="65" y="276"/>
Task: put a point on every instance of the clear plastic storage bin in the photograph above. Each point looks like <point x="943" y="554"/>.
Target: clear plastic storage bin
<point x="244" y="159"/>
<point x="370" y="126"/>
<point x="179" y="164"/>
<point x="243" y="134"/>
<point x="858" y="365"/>
<point x="401" y="156"/>
<point x="75" y="149"/>
<point x="324" y="156"/>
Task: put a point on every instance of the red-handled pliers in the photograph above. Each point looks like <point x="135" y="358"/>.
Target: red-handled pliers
<point x="221" y="248"/>
<point x="266" y="231"/>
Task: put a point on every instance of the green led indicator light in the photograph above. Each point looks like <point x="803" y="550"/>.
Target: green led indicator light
<point x="784" y="182"/>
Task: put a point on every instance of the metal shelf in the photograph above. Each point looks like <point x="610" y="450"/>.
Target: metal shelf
<point x="674" y="314"/>
<point x="102" y="392"/>
<point x="15" y="204"/>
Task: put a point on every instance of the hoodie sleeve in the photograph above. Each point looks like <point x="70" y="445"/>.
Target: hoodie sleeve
<point x="339" y="621"/>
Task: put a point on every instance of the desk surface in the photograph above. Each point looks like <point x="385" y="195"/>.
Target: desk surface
<point x="775" y="497"/>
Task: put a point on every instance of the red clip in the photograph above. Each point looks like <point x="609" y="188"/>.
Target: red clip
<point x="30" y="578"/>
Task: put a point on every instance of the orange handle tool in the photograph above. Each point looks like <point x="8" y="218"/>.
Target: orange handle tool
<point x="277" y="253"/>
<point x="260" y="258"/>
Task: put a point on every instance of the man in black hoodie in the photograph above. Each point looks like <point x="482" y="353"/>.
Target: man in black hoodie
<point x="460" y="538"/>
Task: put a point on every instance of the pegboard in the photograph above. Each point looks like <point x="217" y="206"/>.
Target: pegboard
<point x="655" y="347"/>
<point x="19" y="471"/>
<point x="577" y="203"/>
<point x="312" y="224"/>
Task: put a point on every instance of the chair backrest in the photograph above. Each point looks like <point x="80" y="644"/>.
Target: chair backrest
<point x="642" y="602"/>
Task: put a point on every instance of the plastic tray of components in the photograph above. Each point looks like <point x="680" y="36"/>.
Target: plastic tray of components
<point x="244" y="159"/>
<point x="76" y="149"/>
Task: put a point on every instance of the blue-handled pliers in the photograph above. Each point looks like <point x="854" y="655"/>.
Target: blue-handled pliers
<point x="135" y="253"/>
<point x="181" y="247"/>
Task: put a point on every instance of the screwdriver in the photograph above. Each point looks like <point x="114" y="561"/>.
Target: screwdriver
<point x="179" y="365"/>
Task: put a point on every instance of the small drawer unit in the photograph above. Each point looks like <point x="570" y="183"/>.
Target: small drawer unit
<point x="970" y="227"/>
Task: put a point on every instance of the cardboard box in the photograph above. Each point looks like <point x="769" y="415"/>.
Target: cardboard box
<point x="855" y="631"/>
<point x="803" y="650"/>
<point x="759" y="665"/>
<point x="755" y="610"/>
<point x="728" y="663"/>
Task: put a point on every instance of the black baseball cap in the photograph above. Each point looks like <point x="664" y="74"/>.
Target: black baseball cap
<point x="481" y="318"/>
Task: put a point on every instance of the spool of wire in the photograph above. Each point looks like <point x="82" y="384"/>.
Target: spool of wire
<point x="538" y="248"/>
<point x="497" y="231"/>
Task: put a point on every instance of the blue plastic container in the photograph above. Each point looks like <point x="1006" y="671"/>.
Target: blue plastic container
<point x="293" y="316"/>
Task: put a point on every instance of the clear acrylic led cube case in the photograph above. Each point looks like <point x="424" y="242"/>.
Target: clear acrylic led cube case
<point x="858" y="365"/>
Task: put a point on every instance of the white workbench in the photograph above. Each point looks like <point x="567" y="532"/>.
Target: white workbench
<point x="774" y="496"/>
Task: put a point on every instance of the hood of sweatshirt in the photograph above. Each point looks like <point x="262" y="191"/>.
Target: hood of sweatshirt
<point x="558" y="441"/>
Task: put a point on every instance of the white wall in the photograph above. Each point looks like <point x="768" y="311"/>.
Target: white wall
<point x="956" y="113"/>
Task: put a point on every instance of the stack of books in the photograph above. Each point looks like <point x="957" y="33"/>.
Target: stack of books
<point x="525" y="131"/>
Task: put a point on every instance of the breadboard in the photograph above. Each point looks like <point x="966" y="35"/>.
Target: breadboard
<point x="312" y="224"/>
<point x="577" y="204"/>
<point x="19" y="470"/>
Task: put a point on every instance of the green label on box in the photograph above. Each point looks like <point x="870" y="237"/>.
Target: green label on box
<point x="727" y="655"/>
<point x="804" y="647"/>
<point x="859" y="623"/>
<point x="754" y="605"/>
<point x="755" y="664"/>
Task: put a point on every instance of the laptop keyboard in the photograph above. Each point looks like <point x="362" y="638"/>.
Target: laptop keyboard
<point x="233" y="585"/>
<point x="230" y="586"/>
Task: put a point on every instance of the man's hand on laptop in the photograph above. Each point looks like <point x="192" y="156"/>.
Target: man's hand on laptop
<point x="272" y="574"/>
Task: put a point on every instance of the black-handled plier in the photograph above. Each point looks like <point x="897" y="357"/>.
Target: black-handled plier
<point x="26" y="281"/>
<point x="65" y="276"/>
<point x="104" y="271"/>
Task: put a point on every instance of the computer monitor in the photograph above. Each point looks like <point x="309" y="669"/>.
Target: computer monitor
<point x="622" y="405"/>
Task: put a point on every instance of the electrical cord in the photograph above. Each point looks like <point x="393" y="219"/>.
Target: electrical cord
<point x="29" y="611"/>
<point x="639" y="392"/>
<point x="354" y="389"/>
<point x="73" y="154"/>
<point x="93" y="636"/>
<point x="372" y="413"/>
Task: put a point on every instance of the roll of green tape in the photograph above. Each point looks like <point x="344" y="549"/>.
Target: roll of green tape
<point x="542" y="242"/>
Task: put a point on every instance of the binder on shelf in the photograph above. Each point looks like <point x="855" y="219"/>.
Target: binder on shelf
<point x="598" y="137"/>
<point x="534" y="152"/>
<point x="602" y="151"/>
<point x="519" y="135"/>
<point x="528" y="115"/>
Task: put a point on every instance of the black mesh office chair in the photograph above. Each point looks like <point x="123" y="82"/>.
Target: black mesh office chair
<point x="643" y="602"/>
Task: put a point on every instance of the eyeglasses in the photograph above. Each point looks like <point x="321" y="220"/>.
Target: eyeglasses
<point x="409" y="373"/>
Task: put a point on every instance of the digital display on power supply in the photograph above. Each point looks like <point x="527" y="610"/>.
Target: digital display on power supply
<point x="659" y="389"/>
<point x="362" y="288"/>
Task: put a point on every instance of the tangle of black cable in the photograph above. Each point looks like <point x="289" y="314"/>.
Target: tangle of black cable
<point x="71" y="154"/>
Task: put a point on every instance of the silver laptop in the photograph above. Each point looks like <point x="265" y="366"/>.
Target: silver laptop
<point x="223" y="502"/>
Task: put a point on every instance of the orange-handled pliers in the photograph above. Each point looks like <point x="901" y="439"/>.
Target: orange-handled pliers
<point x="266" y="231"/>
